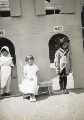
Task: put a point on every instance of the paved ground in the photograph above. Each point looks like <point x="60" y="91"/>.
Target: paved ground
<point x="57" y="107"/>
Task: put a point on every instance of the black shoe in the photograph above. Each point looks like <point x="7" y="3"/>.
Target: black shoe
<point x="26" y="97"/>
<point x="6" y="94"/>
<point x="66" y="91"/>
<point x="3" y="94"/>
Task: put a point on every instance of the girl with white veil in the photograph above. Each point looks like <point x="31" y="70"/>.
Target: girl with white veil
<point x="6" y="65"/>
<point x="29" y="85"/>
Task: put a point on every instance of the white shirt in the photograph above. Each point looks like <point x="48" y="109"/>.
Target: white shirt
<point x="30" y="71"/>
<point x="60" y="59"/>
<point x="6" y="61"/>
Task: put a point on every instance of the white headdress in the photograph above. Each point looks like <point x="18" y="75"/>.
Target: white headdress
<point x="7" y="49"/>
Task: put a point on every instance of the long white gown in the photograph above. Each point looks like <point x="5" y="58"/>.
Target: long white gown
<point x="29" y="83"/>
<point x="5" y="69"/>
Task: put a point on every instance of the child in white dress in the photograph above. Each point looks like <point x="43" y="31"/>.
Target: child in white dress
<point x="6" y="65"/>
<point x="29" y="85"/>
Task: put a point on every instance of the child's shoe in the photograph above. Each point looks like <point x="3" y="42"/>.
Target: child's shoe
<point x="32" y="99"/>
<point x="26" y="97"/>
<point x="66" y="91"/>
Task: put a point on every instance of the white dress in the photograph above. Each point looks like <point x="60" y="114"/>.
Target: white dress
<point x="5" y="69"/>
<point x="29" y="84"/>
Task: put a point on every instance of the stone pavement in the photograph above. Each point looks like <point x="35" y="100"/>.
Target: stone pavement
<point x="56" y="107"/>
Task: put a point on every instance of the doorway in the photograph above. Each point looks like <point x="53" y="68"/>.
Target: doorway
<point x="10" y="45"/>
<point x="54" y="45"/>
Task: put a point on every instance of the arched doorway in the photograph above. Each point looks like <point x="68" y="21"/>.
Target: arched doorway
<point x="54" y="45"/>
<point x="10" y="45"/>
<point x="7" y="42"/>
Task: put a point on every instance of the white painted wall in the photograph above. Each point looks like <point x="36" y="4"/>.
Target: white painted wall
<point x="30" y="35"/>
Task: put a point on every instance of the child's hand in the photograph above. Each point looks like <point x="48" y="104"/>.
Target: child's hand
<point x="57" y="71"/>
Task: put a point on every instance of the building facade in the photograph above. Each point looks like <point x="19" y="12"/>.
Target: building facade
<point x="31" y="26"/>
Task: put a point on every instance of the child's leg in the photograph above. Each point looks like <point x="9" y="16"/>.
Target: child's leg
<point x="65" y="82"/>
<point x="61" y="83"/>
<point x="1" y="91"/>
<point x="7" y="88"/>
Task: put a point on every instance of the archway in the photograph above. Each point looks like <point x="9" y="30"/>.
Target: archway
<point x="54" y="45"/>
<point x="7" y="42"/>
<point x="10" y="45"/>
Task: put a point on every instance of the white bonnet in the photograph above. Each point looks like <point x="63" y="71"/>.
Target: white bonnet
<point x="6" y="48"/>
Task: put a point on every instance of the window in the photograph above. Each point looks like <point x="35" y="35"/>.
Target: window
<point x="4" y="8"/>
<point x="10" y="8"/>
<point x="59" y="7"/>
<point x="49" y="7"/>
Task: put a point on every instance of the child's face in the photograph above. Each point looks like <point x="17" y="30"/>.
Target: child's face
<point x="65" y="45"/>
<point x="30" y="61"/>
<point x="5" y="53"/>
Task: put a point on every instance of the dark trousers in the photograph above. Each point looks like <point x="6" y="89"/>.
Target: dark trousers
<point x="63" y="79"/>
